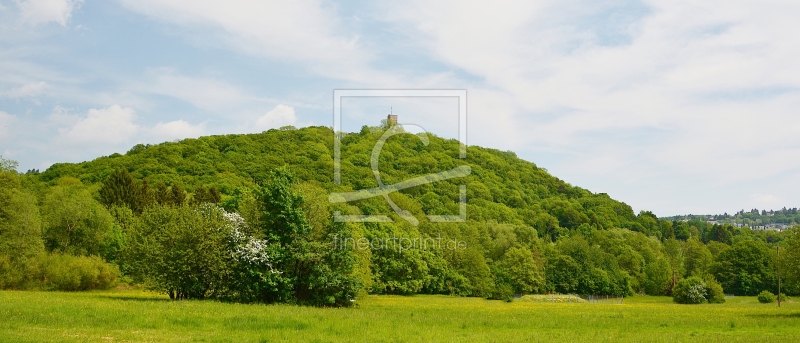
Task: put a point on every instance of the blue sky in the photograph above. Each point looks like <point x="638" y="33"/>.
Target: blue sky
<point x="672" y="106"/>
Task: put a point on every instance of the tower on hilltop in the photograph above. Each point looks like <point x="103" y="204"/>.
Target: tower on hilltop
<point x="391" y="119"/>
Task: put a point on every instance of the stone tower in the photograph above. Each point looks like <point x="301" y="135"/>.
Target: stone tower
<point x="391" y="119"/>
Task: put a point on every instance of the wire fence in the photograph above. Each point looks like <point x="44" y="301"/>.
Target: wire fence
<point x="603" y="299"/>
<point x="571" y="298"/>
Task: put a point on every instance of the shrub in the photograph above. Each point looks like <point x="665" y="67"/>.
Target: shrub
<point x="6" y="272"/>
<point x="20" y="273"/>
<point x="695" y="290"/>
<point x="766" y="297"/>
<point x="503" y="291"/>
<point x="714" y="289"/>
<point x="690" y="291"/>
<point x="181" y="251"/>
<point x="75" y="273"/>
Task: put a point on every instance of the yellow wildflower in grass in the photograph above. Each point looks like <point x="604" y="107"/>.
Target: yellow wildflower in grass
<point x="139" y="316"/>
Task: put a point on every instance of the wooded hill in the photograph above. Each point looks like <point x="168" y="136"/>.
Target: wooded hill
<point x="501" y="186"/>
<point x="526" y="230"/>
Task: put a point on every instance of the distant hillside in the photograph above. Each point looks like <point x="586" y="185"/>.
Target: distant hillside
<point x="752" y="218"/>
<point x="502" y="187"/>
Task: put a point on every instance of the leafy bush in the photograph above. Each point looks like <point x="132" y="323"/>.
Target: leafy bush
<point x="19" y="273"/>
<point x="714" y="289"/>
<point x="766" y="297"/>
<point x="690" y="291"/>
<point x="696" y="290"/>
<point x="6" y="272"/>
<point x="75" y="273"/>
<point x="181" y="251"/>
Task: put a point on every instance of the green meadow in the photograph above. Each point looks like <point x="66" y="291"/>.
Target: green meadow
<point x="137" y="316"/>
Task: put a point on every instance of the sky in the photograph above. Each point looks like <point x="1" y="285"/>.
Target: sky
<point x="674" y="106"/>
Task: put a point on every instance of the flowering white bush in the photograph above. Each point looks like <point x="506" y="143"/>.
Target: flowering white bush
<point x="249" y="250"/>
<point x="697" y="293"/>
<point x="234" y="218"/>
<point x="245" y="248"/>
<point x="692" y="290"/>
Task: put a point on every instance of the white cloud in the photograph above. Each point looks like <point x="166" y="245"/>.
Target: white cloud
<point x="201" y="92"/>
<point x="177" y="129"/>
<point x="110" y="125"/>
<point x="115" y="127"/>
<point x="36" y="12"/>
<point x="5" y="125"/>
<point x="27" y="90"/>
<point x="305" y="31"/>
<point x="281" y="115"/>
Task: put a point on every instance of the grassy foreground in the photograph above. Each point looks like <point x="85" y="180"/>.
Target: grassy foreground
<point x="118" y="316"/>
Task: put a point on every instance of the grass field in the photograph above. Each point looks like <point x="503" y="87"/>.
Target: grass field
<point x="120" y="316"/>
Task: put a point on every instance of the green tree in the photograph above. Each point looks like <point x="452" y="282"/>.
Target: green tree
<point x="667" y="230"/>
<point x="20" y="222"/>
<point x="182" y="251"/>
<point x="682" y="231"/>
<point x="790" y="262"/>
<point x="178" y="195"/>
<point x="20" y="228"/>
<point x="474" y="267"/>
<point x="716" y="248"/>
<point x="719" y="233"/>
<point x="75" y="222"/>
<point x="120" y="188"/>
<point x="697" y="258"/>
<point x="675" y="256"/>
<point x="207" y="195"/>
<point x="523" y="271"/>
<point x="162" y="195"/>
<point x="746" y="268"/>
<point x="562" y="273"/>
<point x="658" y="277"/>
<point x="312" y="272"/>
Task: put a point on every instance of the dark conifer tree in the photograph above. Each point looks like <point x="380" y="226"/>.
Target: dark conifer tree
<point x="163" y="195"/>
<point x="145" y="196"/>
<point x="121" y="189"/>
<point x="200" y="195"/>
<point x="214" y="195"/>
<point x="178" y="195"/>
